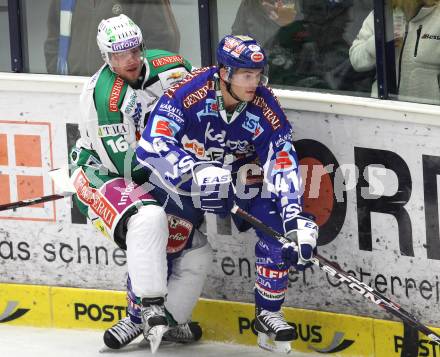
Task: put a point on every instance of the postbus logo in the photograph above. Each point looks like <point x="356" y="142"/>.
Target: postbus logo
<point x="11" y="312"/>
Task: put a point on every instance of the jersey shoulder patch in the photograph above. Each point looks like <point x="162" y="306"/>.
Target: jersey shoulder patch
<point x="161" y="60"/>
<point x="194" y="80"/>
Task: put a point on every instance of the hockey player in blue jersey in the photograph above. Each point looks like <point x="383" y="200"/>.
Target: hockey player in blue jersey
<point x="222" y="120"/>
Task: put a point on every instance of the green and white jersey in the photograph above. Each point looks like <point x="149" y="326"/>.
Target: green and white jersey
<point x="114" y="113"/>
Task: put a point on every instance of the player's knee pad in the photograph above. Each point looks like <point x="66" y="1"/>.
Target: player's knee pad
<point x="148" y="216"/>
<point x="149" y="222"/>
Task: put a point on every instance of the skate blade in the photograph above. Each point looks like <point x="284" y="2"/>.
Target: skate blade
<point x="268" y="344"/>
<point x="155" y="336"/>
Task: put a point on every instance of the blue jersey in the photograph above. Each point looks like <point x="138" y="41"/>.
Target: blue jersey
<point x="186" y="127"/>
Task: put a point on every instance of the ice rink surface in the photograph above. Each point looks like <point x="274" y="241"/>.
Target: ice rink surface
<point x="42" y="342"/>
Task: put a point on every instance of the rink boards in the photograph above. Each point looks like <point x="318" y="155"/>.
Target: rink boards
<point x="371" y="171"/>
<point x="327" y="333"/>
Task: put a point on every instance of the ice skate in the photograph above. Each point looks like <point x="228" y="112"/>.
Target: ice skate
<point x="274" y="333"/>
<point x="122" y="333"/>
<point x="154" y="320"/>
<point x="184" y="333"/>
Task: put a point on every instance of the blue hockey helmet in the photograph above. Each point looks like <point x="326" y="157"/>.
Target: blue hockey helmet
<point x="238" y="51"/>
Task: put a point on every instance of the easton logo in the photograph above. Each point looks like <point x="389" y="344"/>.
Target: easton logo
<point x="11" y="313"/>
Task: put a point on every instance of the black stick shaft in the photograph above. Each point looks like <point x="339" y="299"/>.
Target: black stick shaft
<point x="29" y="202"/>
<point x="353" y="283"/>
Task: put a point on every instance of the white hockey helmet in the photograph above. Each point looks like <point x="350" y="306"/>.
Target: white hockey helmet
<point x="118" y="34"/>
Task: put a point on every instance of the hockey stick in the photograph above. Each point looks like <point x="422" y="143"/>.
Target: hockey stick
<point x="61" y="180"/>
<point x="353" y="283"/>
<point x="29" y="202"/>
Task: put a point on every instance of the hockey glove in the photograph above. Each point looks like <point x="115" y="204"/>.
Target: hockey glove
<point x="216" y="189"/>
<point x="303" y="231"/>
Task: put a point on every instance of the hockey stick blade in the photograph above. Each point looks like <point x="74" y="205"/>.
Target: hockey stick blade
<point x="353" y="283"/>
<point x="29" y="202"/>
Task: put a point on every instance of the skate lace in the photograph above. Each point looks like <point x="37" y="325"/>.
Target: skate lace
<point x="275" y="320"/>
<point x="125" y="330"/>
<point x="180" y="332"/>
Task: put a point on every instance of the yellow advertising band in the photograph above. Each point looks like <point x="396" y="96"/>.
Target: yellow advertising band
<point x="327" y="333"/>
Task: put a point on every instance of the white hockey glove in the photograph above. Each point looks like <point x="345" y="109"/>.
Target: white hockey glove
<point x="216" y="190"/>
<point x="303" y="231"/>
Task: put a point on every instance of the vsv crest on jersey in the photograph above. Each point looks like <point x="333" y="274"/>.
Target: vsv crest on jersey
<point x="162" y="126"/>
<point x="179" y="232"/>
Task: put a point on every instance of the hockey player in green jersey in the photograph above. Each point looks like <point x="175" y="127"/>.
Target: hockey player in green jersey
<point x="167" y="256"/>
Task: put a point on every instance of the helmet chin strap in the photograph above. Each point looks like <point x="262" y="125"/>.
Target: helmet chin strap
<point x="231" y="92"/>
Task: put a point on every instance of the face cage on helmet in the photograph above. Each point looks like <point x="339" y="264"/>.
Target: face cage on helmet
<point x="264" y="77"/>
<point x="106" y="55"/>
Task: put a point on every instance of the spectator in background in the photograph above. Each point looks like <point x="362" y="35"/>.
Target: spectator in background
<point x="417" y="45"/>
<point x="307" y="49"/>
<point x="263" y="18"/>
<point x="70" y="47"/>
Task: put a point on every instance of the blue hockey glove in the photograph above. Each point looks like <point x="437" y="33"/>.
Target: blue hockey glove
<point x="303" y="231"/>
<point x="216" y="189"/>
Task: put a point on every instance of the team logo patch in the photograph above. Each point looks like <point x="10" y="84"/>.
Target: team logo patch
<point x="162" y="126"/>
<point x="257" y="57"/>
<point x="179" y="233"/>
